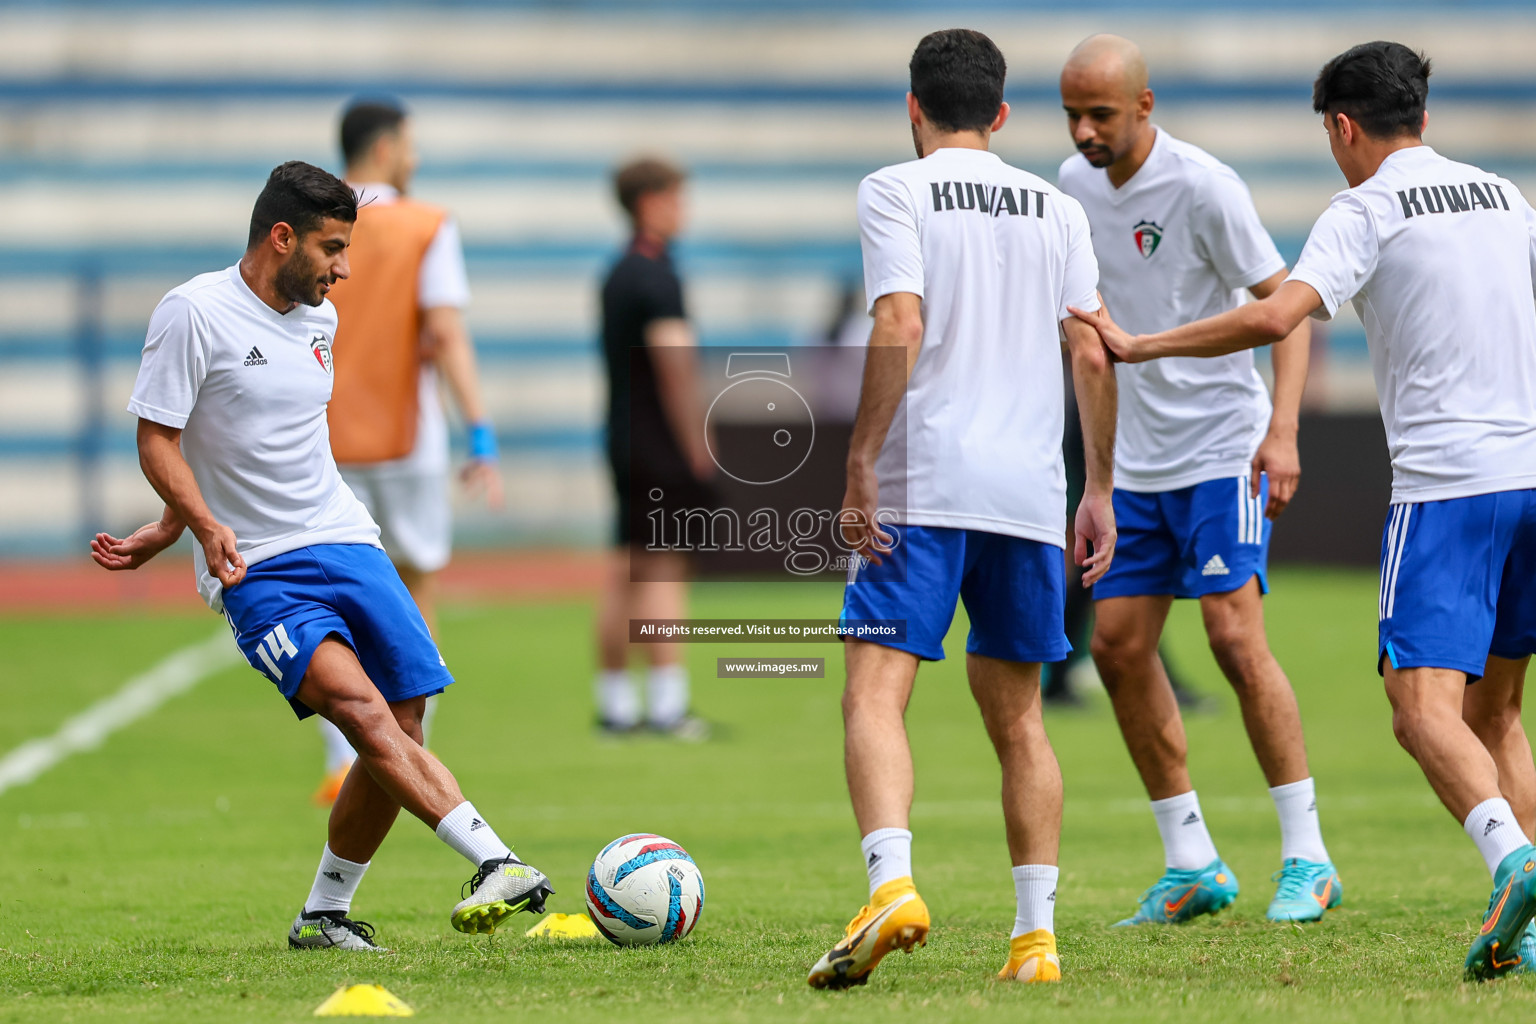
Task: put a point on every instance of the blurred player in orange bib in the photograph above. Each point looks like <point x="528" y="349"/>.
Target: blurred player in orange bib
<point x="402" y="324"/>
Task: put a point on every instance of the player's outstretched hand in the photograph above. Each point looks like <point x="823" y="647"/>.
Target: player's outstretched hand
<point x="1094" y="524"/>
<point x="481" y="478"/>
<point x="223" y="559"/>
<point x="1278" y="457"/>
<point x="1121" y="345"/>
<point x="861" y="533"/>
<point x="134" y="550"/>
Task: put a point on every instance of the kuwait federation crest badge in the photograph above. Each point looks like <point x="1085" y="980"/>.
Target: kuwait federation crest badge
<point x="322" y="350"/>
<point x="1148" y="235"/>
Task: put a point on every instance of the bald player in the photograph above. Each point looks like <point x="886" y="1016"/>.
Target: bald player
<point x="1204" y="462"/>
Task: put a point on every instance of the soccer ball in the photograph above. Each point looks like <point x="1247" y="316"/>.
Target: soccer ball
<point x="644" y="889"/>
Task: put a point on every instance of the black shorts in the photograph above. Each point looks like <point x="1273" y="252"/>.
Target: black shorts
<point x="649" y="499"/>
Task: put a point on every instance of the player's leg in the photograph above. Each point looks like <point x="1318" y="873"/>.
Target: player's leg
<point x="878" y="762"/>
<point x="397" y="655"/>
<point x="1014" y="591"/>
<point x="1491" y="708"/>
<point x="659" y="590"/>
<point x="336" y="687"/>
<point x="1008" y="694"/>
<point x="1124" y="645"/>
<point x="618" y="700"/>
<point x="1308" y="884"/>
<point x="876" y="755"/>
<point x="1234" y="626"/>
<point x="1442" y="566"/>
<point x="917" y="583"/>
<point x="1131" y="607"/>
<point x="360" y="819"/>
<point x="1225" y="546"/>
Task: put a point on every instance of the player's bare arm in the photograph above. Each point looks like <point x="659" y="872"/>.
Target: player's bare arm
<point x="898" y="324"/>
<point x="677" y="381"/>
<point x="1093" y="378"/>
<point x="445" y="341"/>
<point x="1278" y="455"/>
<point x="132" y="551"/>
<point x="1252" y="325"/>
<point x="167" y="471"/>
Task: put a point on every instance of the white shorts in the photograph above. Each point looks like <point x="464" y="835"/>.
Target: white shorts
<point x="412" y="510"/>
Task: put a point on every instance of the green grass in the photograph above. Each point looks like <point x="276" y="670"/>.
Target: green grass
<point x="154" y="878"/>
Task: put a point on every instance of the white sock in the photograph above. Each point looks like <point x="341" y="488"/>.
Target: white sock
<point x="466" y="831"/>
<point x="1493" y="828"/>
<point x="1034" y="885"/>
<point x="1186" y="844"/>
<point x="887" y="856"/>
<point x="618" y="701"/>
<point x="426" y="720"/>
<point x="1300" y="834"/>
<point x="666" y="694"/>
<point x="338" y="751"/>
<point x="336" y="882"/>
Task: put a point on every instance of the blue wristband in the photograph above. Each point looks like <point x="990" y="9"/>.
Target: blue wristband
<point x="482" y="442"/>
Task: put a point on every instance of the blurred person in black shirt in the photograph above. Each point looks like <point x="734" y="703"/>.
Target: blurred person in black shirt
<point x="657" y="452"/>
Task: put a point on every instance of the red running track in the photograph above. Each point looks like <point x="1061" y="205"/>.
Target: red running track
<point x="82" y="585"/>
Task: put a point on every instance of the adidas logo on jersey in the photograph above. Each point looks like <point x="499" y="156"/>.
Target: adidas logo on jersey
<point x="1193" y="819"/>
<point x="255" y="358"/>
<point x="1215" y="567"/>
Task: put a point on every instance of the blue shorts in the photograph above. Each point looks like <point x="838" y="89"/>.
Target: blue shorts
<point x="288" y="604"/>
<point x="1458" y="582"/>
<point x="1014" y="590"/>
<point x="1209" y="538"/>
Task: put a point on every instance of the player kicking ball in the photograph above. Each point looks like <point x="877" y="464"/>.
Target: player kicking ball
<point x="231" y="398"/>
<point x="969" y="265"/>
<point x="1438" y="258"/>
<point x="1200" y="454"/>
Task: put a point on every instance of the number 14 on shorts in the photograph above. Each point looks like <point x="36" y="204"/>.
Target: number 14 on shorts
<point x="273" y="648"/>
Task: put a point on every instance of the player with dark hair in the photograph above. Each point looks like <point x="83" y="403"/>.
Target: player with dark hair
<point x="657" y="453"/>
<point x="1204" y="461"/>
<point x="231" y="398"/>
<point x="969" y="267"/>
<point x="402" y="329"/>
<point x="1439" y="259"/>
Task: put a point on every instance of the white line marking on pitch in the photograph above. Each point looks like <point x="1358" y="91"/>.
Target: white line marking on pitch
<point x="138" y="697"/>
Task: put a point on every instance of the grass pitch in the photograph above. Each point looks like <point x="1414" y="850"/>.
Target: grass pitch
<point x="155" y="878"/>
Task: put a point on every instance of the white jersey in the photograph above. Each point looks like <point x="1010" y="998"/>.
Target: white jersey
<point x="996" y="254"/>
<point x="248" y="387"/>
<point x="1439" y="258"/>
<point x="1178" y="242"/>
<point x="441" y="281"/>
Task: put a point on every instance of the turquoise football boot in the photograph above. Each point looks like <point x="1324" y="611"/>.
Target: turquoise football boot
<point x="1306" y="890"/>
<point x="1527" y="963"/>
<point x="1181" y="896"/>
<point x="1497" y="948"/>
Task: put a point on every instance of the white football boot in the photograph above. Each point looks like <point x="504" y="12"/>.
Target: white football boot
<point x="500" y="889"/>
<point x="332" y="929"/>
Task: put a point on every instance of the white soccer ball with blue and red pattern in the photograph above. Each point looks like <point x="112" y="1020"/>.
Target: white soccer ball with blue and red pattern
<point x="644" y="889"/>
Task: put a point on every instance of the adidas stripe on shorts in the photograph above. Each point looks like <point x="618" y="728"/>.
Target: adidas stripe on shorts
<point x="1208" y="538"/>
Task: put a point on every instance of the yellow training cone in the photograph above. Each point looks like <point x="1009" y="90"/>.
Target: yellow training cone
<point x="564" y="926"/>
<point x="363" y="1001"/>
